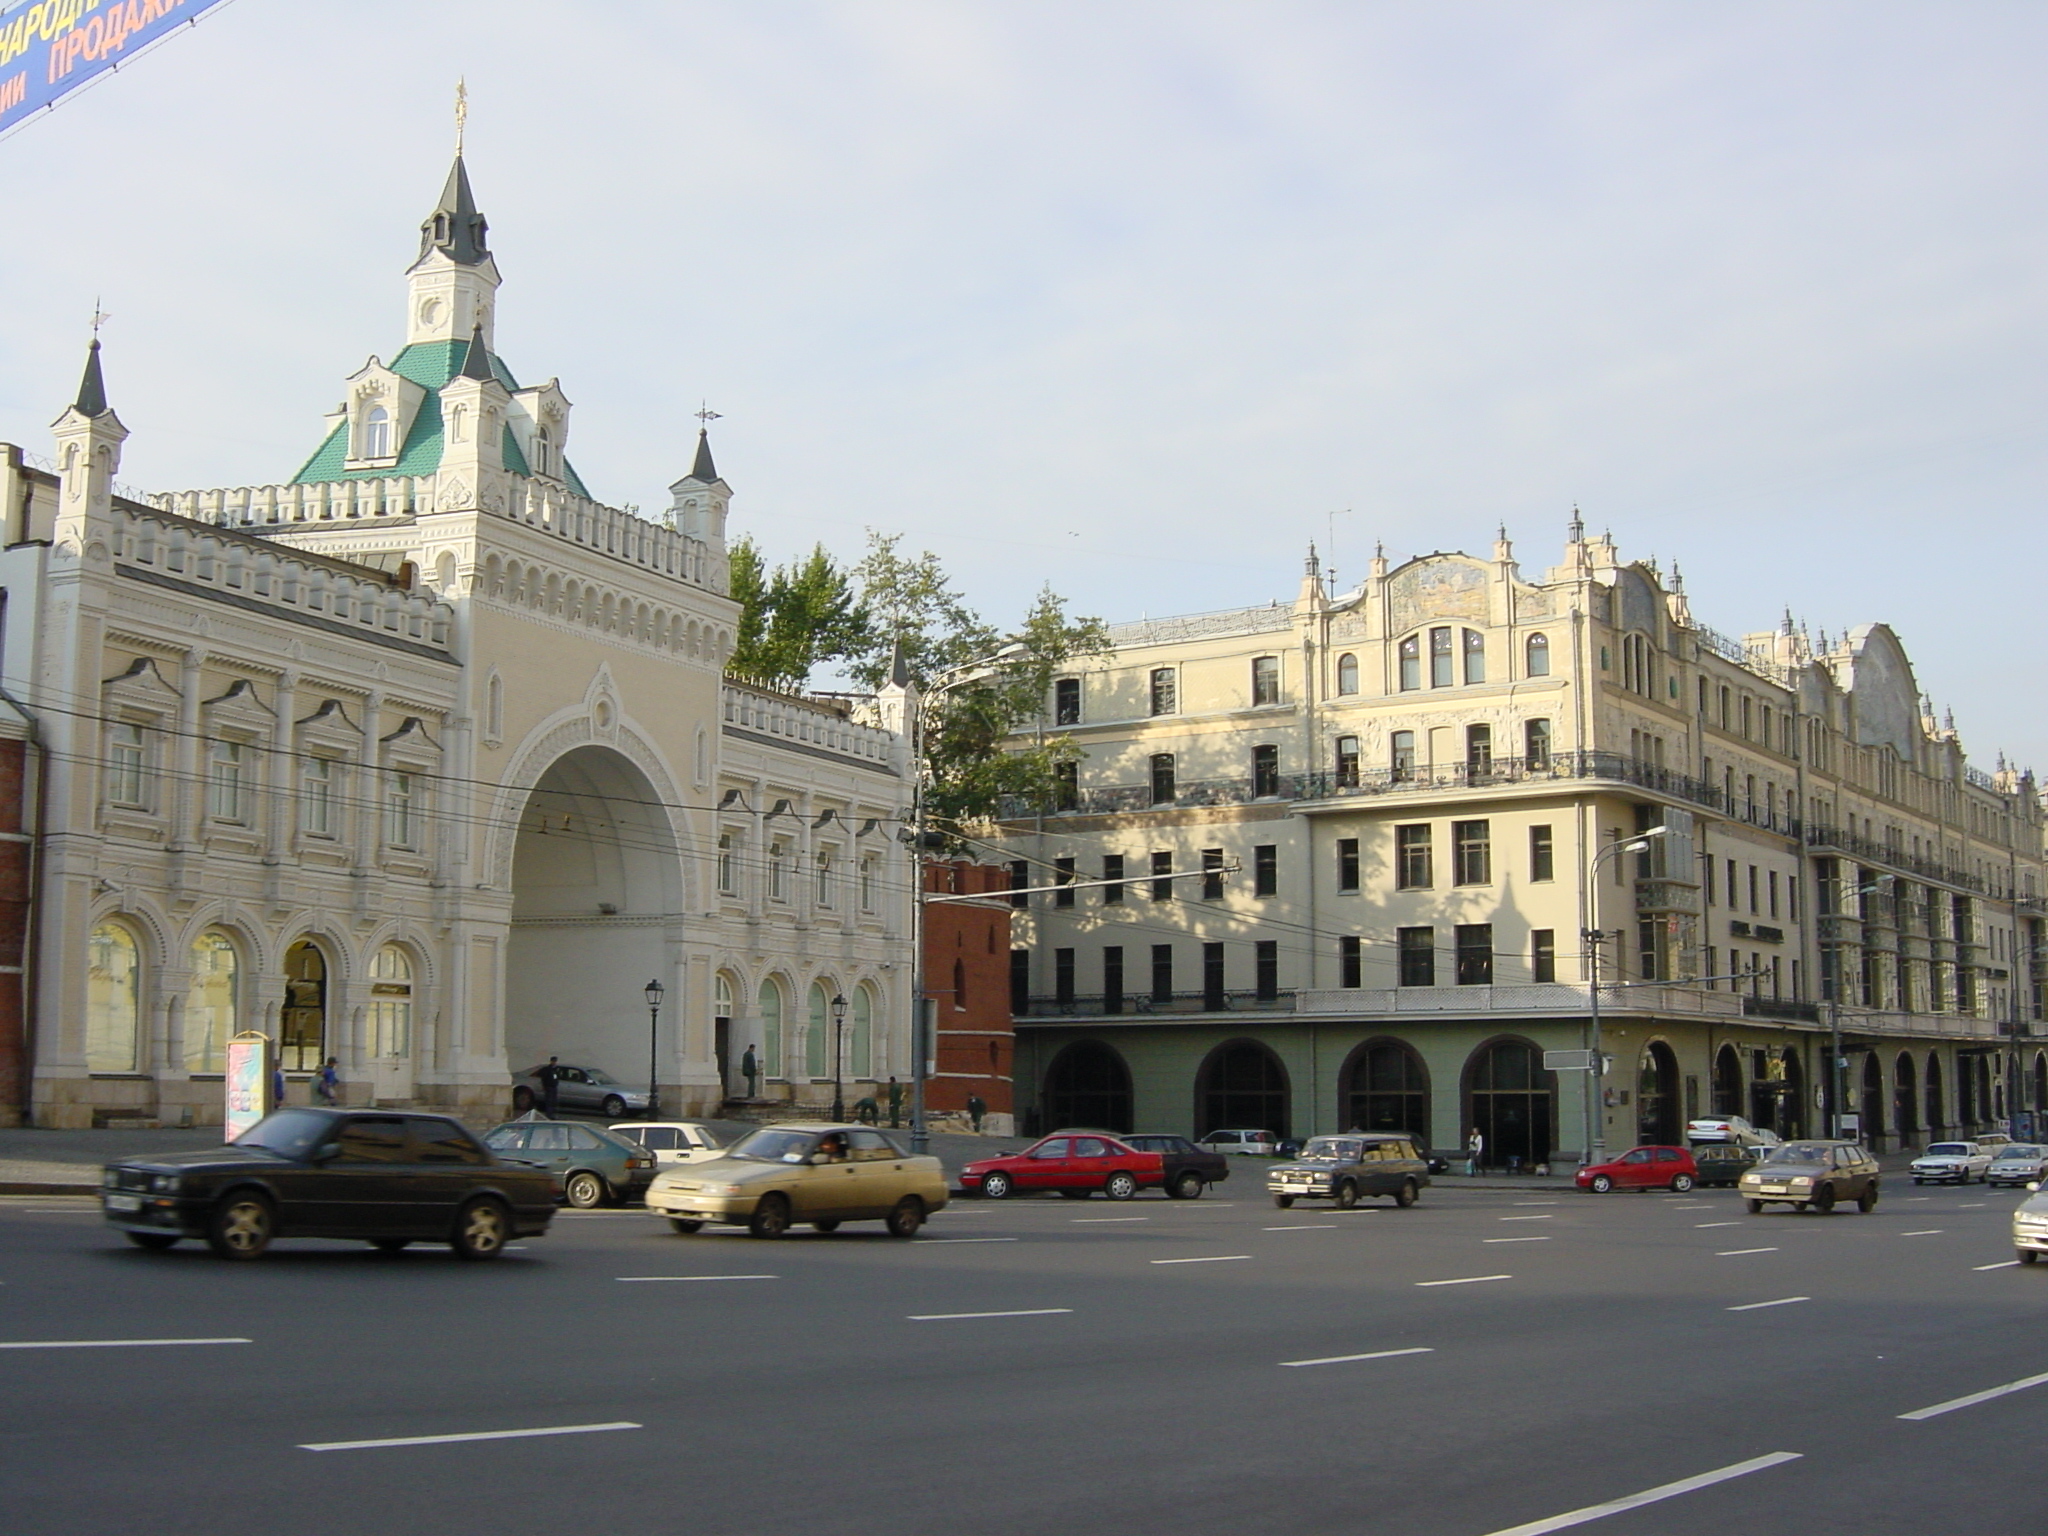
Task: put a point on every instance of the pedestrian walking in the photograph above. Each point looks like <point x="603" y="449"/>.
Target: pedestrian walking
<point x="1475" y="1149"/>
<point x="327" y="1084"/>
<point x="975" y="1110"/>
<point x="895" y="1104"/>
<point x="750" y="1069"/>
<point x="550" y="1086"/>
<point x="277" y="1085"/>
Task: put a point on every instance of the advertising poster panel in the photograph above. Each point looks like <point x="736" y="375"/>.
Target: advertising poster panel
<point x="248" y="1082"/>
<point x="49" y="48"/>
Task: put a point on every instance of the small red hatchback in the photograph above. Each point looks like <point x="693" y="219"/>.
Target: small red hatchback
<point x="1074" y="1163"/>
<point x="1669" y="1168"/>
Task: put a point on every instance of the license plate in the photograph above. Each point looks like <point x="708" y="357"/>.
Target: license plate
<point x="1772" y="1189"/>
<point x="124" y="1202"/>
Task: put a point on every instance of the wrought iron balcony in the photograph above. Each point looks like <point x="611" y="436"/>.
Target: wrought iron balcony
<point x="1098" y="1005"/>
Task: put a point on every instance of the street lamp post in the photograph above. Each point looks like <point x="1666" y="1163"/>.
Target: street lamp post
<point x="838" y="1055"/>
<point x="1592" y="937"/>
<point x="654" y="991"/>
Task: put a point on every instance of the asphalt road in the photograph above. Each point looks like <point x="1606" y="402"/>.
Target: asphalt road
<point x="1488" y="1362"/>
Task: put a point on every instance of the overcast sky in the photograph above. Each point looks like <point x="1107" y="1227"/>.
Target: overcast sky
<point x="1131" y="298"/>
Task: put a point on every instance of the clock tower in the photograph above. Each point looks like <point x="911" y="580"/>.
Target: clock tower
<point x="454" y="283"/>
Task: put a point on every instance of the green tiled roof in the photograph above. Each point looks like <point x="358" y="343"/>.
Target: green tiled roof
<point x="429" y="364"/>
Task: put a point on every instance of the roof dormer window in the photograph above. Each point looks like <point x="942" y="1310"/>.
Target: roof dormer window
<point x="376" y="433"/>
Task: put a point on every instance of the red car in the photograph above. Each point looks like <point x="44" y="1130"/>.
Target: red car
<point x="1073" y="1162"/>
<point x="1669" y="1168"/>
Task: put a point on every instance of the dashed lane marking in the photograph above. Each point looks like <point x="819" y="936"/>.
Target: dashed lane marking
<point x="1649" y="1496"/>
<point x="661" y="1279"/>
<point x="1529" y="1218"/>
<point x="493" y="1434"/>
<point x="927" y="1242"/>
<point x="114" y="1343"/>
<point x="1378" y="1354"/>
<point x="1214" y="1258"/>
<point x="1305" y="1226"/>
<point x="1465" y="1280"/>
<point x="1701" y="1226"/>
<point x="1758" y="1306"/>
<point x="1103" y="1221"/>
<point x="1926" y="1232"/>
<point x="1975" y="1398"/>
<point x="2007" y="1264"/>
<point x="962" y="1317"/>
<point x="1514" y="1239"/>
<point x="1736" y="1253"/>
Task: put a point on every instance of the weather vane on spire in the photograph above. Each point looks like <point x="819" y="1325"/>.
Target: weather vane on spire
<point x="461" y="110"/>
<point x="99" y="318"/>
<point x="705" y="414"/>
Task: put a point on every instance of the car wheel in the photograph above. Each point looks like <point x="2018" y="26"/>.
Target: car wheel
<point x="1867" y="1201"/>
<point x="1347" y="1195"/>
<point x="2027" y="1255"/>
<point x="1407" y="1194"/>
<point x="685" y="1225"/>
<point x="1756" y="1207"/>
<point x="614" y="1106"/>
<point x="583" y="1189"/>
<point x="1285" y="1202"/>
<point x="522" y="1100"/>
<point x="1824" y="1199"/>
<point x="1682" y="1184"/>
<point x="482" y="1229"/>
<point x="155" y="1242"/>
<point x="390" y="1244"/>
<point x="907" y="1217"/>
<point x="995" y="1186"/>
<point x="830" y="1224"/>
<point x="1600" y="1184"/>
<point x="1121" y="1186"/>
<point x="770" y="1218"/>
<point x="241" y="1226"/>
<point x="1188" y="1186"/>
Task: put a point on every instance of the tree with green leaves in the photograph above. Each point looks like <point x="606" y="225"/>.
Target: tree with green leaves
<point x="794" y="619"/>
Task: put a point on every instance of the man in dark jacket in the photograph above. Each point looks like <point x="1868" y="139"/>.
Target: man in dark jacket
<point x="550" y="1079"/>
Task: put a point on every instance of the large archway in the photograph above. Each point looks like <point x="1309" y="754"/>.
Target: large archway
<point x="1793" y="1104"/>
<point x="596" y="884"/>
<point x="1512" y="1101"/>
<point x="1872" y="1101"/>
<point x="1087" y="1084"/>
<point x="1657" y="1103"/>
<point x="1727" y="1081"/>
<point x="1384" y="1087"/>
<point x="1905" y="1100"/>
<point x="1242" y="1086"/>
<point x="1937" y="1112"/>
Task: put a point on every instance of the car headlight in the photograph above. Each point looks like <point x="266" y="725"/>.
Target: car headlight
<point x="718" y="1189"/>
<point x="1799" y="1183"/>
<point x="110" y="1178"/>
<point x="164" y="1183"/>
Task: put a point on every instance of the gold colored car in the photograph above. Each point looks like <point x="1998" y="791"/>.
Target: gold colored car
<point x="822" y="1174"/>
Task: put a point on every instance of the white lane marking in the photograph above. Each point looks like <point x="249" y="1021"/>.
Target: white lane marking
<point x="1539" y="1202"/>
<point x="1758" y="1306"/>
<point x="1911" y="1198"/>
<point x="1649" y="1496"/>
<point x="1105" y="1220"/>
<point x="1514" y="1239"/>
<point x="2008" y="1264"/>
<point x="927" y="1242"/>
<point x="1928" y="1232"/>
<point x="1529" y="1218"/>
<point x="662" y="1279"/>
<point x="1975" y="1398"/>
<point x="1466" y="1280"/>
<point x="1736" y="1253"/>
<point x="1701" y="1226"/>
<point x="955" y="1317"/>
<point x="1974" y="1205"/>
<point x="1307" y="1226"/>
<point x="492" y="1434"/>
<point x="1692" y="1205"/>
<point x="1216" y="1258"/>
<point x="1378" y="1354"/>
<point x="116" y="1343"/>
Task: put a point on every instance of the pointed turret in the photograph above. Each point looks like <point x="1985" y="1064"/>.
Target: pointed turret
<point x="88" y="440"/>
<point x="476" y="361"/>
<point x="92" y="389"/>
<point x="455" y="228"/>
<point x="455" y="277"/>
<point x="703" y="469"/>
<point x="697" y="508"/>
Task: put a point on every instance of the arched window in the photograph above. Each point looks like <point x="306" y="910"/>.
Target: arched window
<point x="1657" y="1102"/>
<point x="771" y="1028"/>
<point x="1385" y="1088"/>
<point x="1242" y="1085"/>
<point x="1905" y="1100"/>
<point x="1411" y="663"/>
<point x="959" y="986"/>
<point x="863" y="1061"/>
<point x="820" y="1023"/>
<point x="390" y="1018"/>
<point x="1087" y="1084"/>
<point x="112" y="1000"/>
<point x="458" y="424"/>
<point x="376" y="433"/>
<point x="210" y="1002"/>
<point x="542" y="446"/>
<point x="1537" y="648"/>
<point x="1513" y="1101"/>
<point x="302" y="1031"/>
<point x="1347" y="673"/>
<point x="1475" y="656"/>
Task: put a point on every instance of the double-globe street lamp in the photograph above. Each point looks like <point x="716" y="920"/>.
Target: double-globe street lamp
<point x="1593" y="936"/>
<point x="654" y="991"/>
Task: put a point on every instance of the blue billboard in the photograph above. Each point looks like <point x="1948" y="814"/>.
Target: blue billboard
<point x="49" y="48"/>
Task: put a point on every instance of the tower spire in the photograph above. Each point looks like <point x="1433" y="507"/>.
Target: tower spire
<point x="92" y="388"/>
<point x="455" y="228"/>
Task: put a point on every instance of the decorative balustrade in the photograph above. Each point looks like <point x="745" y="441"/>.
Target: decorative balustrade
<point x="790" y="717"/>
<point x="254" y="570"/>
<point x="1143" y="1004"/>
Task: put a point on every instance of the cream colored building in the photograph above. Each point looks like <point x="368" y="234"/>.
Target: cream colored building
<point x="1399" y="794"/>
<point x="424" y="759"/>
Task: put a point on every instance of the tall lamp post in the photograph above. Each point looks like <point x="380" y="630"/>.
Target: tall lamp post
<point x="1593" y="937"/>
<point x="838" y="1055"/>
<point x="654" y="991"/>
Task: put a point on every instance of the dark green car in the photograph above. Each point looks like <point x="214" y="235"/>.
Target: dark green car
<point x="592" y="1166"/>
<point x="1349" y="1168"/>
<point x="1721" y="1165"/>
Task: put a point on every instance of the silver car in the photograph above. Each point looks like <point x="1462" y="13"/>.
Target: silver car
<point x="2019" y="1162"/>
<point x="579" y="1088"/>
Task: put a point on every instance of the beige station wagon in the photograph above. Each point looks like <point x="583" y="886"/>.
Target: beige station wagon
<point x="822" y="1174"/>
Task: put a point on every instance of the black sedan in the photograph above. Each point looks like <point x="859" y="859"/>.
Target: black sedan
<point x="387" y="1179"/>
<point x="1189" y="1170"/>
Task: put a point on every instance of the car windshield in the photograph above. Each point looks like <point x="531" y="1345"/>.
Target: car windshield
<point x="294" y="1132"/>
<point x="2018" y="1150"/>
<point x="774" y="1146"/>
<point x="1800" y="1152"/>
<point x="1330" y="1149"/>
<point x="1950" y="1149"/>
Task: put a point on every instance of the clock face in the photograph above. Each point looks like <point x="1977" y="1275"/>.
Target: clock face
<point x="431" y="311"/>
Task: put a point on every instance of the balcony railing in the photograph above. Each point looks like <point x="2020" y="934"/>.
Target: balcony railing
<point x="1142" y="1003"/>
<point x="1871" y="852"/>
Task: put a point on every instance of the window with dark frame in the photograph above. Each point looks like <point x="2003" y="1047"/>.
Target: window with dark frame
<point x="1020" y="983"/>
<point x="1020" y="882"/>
<point x="1538" y="651"/>
<point x="1113" y="869"/>
<point x="1347" y="761"/>
<point x="1418" y="956"/>
<point x="1266" y="869"/>
<point x="1162" y="871"/>
<point x="1063" y="977"/>
<point x="1066" y="705"/>
<point x="1543" y="954"/>
<point x="1265" y="680"/>
<point x="1266" y="964"/>
<point x="1350" y="963"/>
<point x="1442" y="659"/>
<point x="1063" y="877"/>
<point x="1478" y="751"/>
<point x="1542" y="854"/>
<point x="1214" y="996"/>
<point x="1347" y="673"/>
<point x="1113" y="978"/>
<point x="1472" y="852"/>
<point x="1265" y="771"/>
<point x="1347" y="863"/>
<point x="1536" y="745"/>
<point x="1212" y="874"/>
<point x="1165" y="691"/>
<point x="1475" y="656"/>
<point x="1162" y="973"/>
<point x="1066" y="778"/>
<point x="1402" y="760"/>
<point x="1410" y="651"/>
<point x="1475" y="954"/>
<point x="1414" y="860"/>
<point x="1162" y="778"/>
